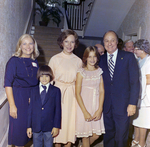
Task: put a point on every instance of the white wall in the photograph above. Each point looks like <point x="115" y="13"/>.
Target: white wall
<point x="13" y="19"/>
<point x="138" y="16"/>
<point x="107" y="15"/>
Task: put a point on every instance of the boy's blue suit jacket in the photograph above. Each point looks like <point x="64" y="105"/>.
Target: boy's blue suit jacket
<point x="44" y="117"/>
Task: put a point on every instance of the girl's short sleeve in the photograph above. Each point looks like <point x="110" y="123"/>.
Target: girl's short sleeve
<point x="81" y="71"/>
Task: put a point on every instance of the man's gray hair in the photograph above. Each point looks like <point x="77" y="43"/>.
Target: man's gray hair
<point x="129" y="40"/>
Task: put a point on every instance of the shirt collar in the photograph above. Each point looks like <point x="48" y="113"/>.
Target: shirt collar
<point x="47" y="85"/>
<point x="114" y="53"/>
<point x="114" y="57"/>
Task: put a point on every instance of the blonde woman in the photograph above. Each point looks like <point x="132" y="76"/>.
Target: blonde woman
<point x="20" y="76"/>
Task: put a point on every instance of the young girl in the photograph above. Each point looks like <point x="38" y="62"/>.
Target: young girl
<point x="89" y="91"/>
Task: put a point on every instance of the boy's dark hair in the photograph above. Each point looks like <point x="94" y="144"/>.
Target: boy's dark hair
<point x="45" y="70"/>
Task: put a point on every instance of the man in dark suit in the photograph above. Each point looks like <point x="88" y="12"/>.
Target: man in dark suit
<point x="121" y="83"/>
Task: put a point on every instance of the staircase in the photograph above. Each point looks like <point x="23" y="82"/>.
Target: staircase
<point x="76" y="15"/>
<point x="46" y="38"/>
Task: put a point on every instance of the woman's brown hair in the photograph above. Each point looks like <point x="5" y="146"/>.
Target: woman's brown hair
<point x="64" y="35"/>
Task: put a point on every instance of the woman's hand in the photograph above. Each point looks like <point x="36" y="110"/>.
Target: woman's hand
<point x="87" y="116"/>
<point x="12" y="106"/>
<point x="97" y="115"/>
<point x="29" y="132"/>
<point x="13" y="111"/>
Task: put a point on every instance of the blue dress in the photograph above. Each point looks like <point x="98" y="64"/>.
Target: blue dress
<point x="20" y="74"/>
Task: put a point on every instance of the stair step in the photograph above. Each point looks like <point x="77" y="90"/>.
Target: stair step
<point x="46" y="38"/>
<point x="51" y="42"/>
<point x="44" y="59"/>
<point x="47" y="30"/>
<point x="49" y="52"/>
<point x="48" y="47"/>
<point x="53" y="48"/>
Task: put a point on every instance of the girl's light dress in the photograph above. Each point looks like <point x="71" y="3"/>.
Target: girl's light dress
<point x="90" y="96"/>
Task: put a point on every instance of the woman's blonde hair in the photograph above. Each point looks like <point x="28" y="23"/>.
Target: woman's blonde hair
<point x="18" y="52"/>
<point x="86" y="55"/>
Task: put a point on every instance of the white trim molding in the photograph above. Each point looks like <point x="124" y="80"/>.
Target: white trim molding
<point x="134" y="32"/>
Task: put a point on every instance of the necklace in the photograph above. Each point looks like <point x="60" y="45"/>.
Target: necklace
<point x="27" y="69"/>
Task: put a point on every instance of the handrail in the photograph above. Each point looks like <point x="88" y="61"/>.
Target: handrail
<point x="88" y="11"/>
<point x="90" y="3"/>
<point x="77" y="15"/>
<point x="3" y="103"/>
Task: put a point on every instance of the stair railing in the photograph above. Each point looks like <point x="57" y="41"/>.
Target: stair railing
<point x="77" y="15"/>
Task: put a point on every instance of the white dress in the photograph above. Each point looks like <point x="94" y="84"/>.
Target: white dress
<point x="141" y="118"/>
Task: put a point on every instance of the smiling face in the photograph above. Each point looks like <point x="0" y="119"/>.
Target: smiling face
<point x="110" y="42"/>
<point x="27" y="47"/>
<point x="44" y="79"/>
<point x="129" y="47"/>
<point x="138" y="52"/>
<point x="92" y="59"/>
<point x="68" y="44"/>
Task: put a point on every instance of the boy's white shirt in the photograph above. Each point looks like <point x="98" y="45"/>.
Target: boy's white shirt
<point x="41" y="88"/>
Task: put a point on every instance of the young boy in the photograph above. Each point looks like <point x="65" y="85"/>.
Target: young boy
<point x="44" y="113"/>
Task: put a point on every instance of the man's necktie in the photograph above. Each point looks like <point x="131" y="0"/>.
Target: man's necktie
<point x="111" y="66"/>
<point x="43" y="94"/>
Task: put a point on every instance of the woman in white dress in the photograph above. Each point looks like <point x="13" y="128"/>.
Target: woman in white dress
<point x="141" y="120"/>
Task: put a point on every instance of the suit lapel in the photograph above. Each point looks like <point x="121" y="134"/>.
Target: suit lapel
<point x="118" y="65"/>
<point x="48" y="94"/>
<point x="105" y="68"/>
<point x="38" y="96"/>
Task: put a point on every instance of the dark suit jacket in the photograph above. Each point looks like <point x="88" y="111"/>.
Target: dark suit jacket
<point x="45" y="117"/>
<point x="124" y="88"/>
